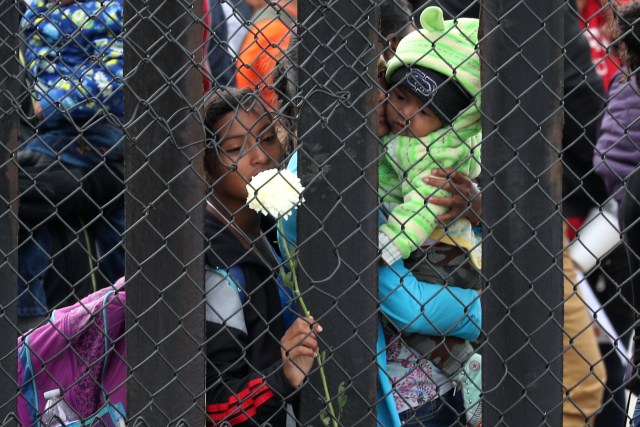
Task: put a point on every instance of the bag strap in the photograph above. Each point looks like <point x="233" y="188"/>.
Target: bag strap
<point x="235" y="278"/>
<point x="29" y="387"/>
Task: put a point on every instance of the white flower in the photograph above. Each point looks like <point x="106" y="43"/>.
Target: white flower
<point x="276" y="193"/>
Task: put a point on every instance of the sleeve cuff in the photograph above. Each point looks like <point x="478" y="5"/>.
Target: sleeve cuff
<point x="278" y="382"/>
<point x="389" y="251"/>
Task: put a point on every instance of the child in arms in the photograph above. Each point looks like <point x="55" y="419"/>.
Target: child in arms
<point x="434" y="121"/>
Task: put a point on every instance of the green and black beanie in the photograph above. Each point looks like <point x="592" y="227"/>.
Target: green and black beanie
<point x="439" y="63"/>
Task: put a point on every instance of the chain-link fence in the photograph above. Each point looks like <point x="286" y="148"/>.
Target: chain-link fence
<point x="459" y="248"/>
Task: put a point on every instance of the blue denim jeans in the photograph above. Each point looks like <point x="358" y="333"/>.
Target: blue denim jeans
<point x="35" y="259"/>
<point x="76" y="177"/>
<point x="635" y="422"/>
<point x="85" y="149"/>
<point x="446" y="411"/>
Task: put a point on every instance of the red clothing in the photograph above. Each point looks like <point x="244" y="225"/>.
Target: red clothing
<point x="572" y="225"/>
<point x="267" y="40"/>
<point x="245" y="381"/>
<point x="595" y="17"/>
<point x="206" y="35"/>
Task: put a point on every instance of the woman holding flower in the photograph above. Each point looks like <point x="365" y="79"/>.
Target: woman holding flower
<point x="256" y="358"/>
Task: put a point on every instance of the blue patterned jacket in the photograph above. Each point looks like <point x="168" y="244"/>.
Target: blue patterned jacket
<point x="74" y="58"/>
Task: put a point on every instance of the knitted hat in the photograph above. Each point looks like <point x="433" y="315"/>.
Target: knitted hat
<point x="448" y="47"/>
<point x="442" y="94"/>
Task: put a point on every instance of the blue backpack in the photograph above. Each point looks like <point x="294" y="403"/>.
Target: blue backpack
<point x="235" y="277"/>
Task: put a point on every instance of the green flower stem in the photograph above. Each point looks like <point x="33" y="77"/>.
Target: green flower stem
<point x="325" y="386"/>
<point x="305" y="311"/>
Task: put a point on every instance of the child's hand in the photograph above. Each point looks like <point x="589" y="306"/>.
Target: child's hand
<point x="299" y="347"/>
<point x="465" y="200"/>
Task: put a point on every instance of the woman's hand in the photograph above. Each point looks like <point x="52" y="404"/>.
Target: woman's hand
<point x="465" y="200"/>
<point x="299" y="347"/>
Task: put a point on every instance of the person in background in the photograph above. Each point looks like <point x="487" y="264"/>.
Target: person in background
<point x="227" y="32"/>
<point x="238" y="13"/>
<point x="617" y="153"/>
<point x="596" y="19"/>
<point x="267" y="40"/>
<point x="72" y="168"/>
<point x="617" y="159"/>
<point x="585" y="193"/>
<point x="395" y="23"/>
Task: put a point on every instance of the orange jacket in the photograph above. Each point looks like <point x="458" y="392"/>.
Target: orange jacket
<point x="264" y="44"/>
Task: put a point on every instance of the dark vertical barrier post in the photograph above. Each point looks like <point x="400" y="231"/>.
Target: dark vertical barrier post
<point x="164" y="238"/>
<point x="522" y="123"/>
<point x="9" y="70"/>
<point x="338" y="222"/>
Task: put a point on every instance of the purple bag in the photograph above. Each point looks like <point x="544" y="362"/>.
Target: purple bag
<point x="82" y="352"/>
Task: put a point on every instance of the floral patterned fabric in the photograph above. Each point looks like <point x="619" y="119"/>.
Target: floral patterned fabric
<point x="415" y="381"/>
<point x="73" y="57"/>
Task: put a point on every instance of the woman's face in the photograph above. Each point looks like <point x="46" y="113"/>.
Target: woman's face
<point x="247" y="145"/>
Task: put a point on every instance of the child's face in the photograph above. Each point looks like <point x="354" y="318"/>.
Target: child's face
<point x="407" y="115"/>
<point x="248" y="144"/>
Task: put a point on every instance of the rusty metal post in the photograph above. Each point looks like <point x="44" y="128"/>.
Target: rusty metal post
<point x="337" y="234"/>
<point x="164" y="214"/>
<point x="9" y="129"/>
<point x="522" y="249"/>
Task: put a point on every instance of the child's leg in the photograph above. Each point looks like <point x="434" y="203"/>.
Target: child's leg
<point x="444" y="264"/>
<point x="447" y="353"/>
<point x="34" y="258"/>
<point x="449" y="265"/>
<point x="469" y="381"/>
<point x="455" y="357"/>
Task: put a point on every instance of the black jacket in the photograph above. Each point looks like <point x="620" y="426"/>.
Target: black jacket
<point x="245" y="382"/>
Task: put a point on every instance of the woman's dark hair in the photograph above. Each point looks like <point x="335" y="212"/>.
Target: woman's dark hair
<point x="221" y="102"/>
<point x="285" y="85"/>
<point x="395" y="17"/>
<point x="628" y="36"/>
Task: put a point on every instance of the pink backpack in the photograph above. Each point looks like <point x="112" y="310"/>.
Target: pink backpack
<point x="82" y="352"/>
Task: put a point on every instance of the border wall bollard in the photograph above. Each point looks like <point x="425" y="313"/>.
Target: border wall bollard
<point x="337" y="229"/>
<point x="164" y="201"/>
<point x="9" y="128"/>
<point x="522" y="262"/>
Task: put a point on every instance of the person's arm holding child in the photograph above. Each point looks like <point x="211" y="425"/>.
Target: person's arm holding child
<point x="465" y="200"/>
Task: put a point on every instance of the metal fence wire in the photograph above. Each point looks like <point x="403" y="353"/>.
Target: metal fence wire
<point x="339" y="213"/>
